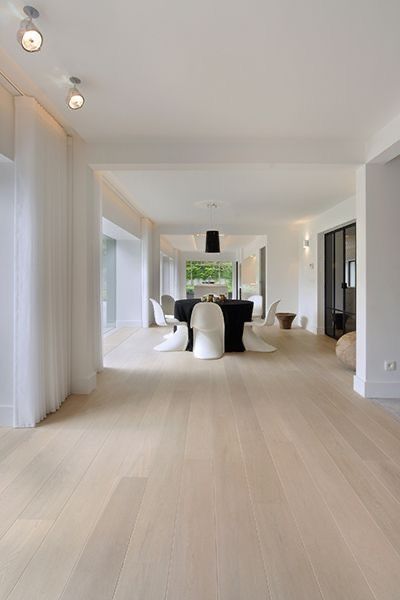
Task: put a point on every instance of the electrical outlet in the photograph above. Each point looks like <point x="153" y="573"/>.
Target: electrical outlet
<point x="390" y="365"/>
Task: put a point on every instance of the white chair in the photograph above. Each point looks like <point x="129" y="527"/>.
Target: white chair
<point x="160" y="317"/>
<point x="175" y="341"/>
<point x="253" y="342"/>
<point x="258" y="305"/>
<point x="208" y="326"/>
<point x="168" y="305"/>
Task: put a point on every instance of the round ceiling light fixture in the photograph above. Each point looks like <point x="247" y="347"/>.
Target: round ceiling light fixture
<point x="75" y="99"/>
<point x="28" y="34"/>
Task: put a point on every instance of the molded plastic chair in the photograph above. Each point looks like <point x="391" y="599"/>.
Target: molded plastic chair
<point x="270" y="317"/>
<point x="168" y="305"/>
<point x="208" y="326"/>
<point x="161" y="319"/>
<point x="250" y="340"/>
<point x="175" y="342"/>
<point x="258" y="305"/>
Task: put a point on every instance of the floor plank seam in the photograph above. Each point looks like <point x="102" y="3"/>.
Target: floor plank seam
<point x="250" y="498"/>
<point x="105" y="440"/>
<point x="307" y="554"/>
<point x="127" y="547"/>
<point x="59" y="465"/>
<point x="317" y="487"/>
<point x="365" y="463"/>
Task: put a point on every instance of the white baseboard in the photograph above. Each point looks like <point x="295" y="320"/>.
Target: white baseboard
<point x="128" y="324"/>
<point x="316" y="330"/>
<point x="6" y="416"/>
<point x="84" y="385"/>
<point x="312" y="329"/>
<point x="376" y="389"/>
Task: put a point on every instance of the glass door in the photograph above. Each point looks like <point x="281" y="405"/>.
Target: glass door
<point x="340" y="281"/>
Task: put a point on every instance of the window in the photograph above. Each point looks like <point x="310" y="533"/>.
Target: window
<point x="207" y="273"/>
<point x="109" y="284"/>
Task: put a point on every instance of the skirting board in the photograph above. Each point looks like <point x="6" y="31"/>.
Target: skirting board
<point x="376" y="389"/>
<point x="6" y="416"/>
<point x="312" y="329"/>
<point x="84" y="385"/>
<point x="128" y="324"/>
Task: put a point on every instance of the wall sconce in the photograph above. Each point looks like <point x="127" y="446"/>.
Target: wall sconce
<point x="306" y="243"/>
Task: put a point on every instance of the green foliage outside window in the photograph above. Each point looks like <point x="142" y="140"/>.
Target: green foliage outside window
<point x="202" y="272"/>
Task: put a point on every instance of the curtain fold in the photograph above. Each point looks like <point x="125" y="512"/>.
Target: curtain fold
<point x="42" y="265"/>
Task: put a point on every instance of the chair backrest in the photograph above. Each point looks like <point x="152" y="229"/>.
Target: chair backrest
<point x="270" y="318"/>
<point x="207" y="316"/>
<point x="168" y="304"/>
<point x="258" y="305"/>
<point x="158" y="313"/>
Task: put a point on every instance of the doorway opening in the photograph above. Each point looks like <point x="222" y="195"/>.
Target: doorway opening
<point x="340" y="281"/>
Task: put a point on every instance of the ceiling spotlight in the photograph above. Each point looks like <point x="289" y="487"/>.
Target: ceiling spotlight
<point x="28" y="34"/>
<point x="75" y="99"/>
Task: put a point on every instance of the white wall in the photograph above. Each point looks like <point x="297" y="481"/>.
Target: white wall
<point x="6" y="124"/>
<point x="7" y="190"/>
<point x="129" y="283"/>
<point x="378" y="279"/>
<point x="311" y="262"/>
<point x="281" y="265"/>
<point x="282" y="268"/>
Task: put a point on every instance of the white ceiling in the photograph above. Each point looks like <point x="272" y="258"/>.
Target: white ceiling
<point x="226" y="68"/>
<point x="196" y="242"/>
<point x="277" y="194"/>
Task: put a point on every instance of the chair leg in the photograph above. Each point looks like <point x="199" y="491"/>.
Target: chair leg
<point x="253" y="343"/>
<point x="177" y="342"/>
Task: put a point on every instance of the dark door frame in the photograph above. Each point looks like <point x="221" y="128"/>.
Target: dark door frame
<point x="332" y="310"/>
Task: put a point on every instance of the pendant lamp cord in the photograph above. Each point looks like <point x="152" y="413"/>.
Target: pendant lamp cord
<point x="211" y="205"/>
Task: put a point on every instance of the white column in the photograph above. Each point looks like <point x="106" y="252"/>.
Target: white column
<point x="175" y="286"/>
<point x="147" y="270"/>
<point x="7" y="208"/>
<point x="378" y="280"/>
<point x="83" y="367"/>
<point x="156" y="264"/>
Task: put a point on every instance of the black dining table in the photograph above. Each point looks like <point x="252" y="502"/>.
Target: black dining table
<point x="235" y="312"/>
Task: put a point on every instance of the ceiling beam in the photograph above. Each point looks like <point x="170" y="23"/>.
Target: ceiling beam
<point x="166" y="153"/>
<point x="384" y="146"/>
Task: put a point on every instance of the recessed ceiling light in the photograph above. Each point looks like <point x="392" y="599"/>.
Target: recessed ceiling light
<point x="28" y="34"/>
<point x="75" y="99"/>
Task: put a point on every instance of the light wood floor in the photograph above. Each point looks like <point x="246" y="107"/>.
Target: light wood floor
<point x="258" y="476"/>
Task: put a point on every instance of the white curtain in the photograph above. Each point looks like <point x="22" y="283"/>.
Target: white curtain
<point x="42" y="265"/>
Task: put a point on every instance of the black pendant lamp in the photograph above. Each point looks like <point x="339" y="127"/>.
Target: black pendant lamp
<point x="212" y="236"/>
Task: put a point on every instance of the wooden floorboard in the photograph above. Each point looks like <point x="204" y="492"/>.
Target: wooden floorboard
<point x="254" y="477"/>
